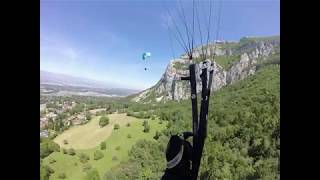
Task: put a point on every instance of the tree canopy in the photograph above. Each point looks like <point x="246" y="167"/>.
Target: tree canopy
<point x="243" y="139"/>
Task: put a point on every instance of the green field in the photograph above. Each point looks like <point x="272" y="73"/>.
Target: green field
<point x="91" y="134"/>
<point x="73" y="168"/>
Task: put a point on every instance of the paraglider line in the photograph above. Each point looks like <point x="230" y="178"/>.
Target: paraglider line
<point x="218" y="27"/>
<point x="197" y="15"/>
<point x="179" y="32"/>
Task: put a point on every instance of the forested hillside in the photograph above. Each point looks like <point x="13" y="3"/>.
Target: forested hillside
<point x="243" y="132"/>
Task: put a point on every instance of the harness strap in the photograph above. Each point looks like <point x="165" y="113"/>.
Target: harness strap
<point x="172" y="163"/>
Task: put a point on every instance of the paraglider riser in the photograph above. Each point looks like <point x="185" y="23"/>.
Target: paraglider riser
<point x="199" y="123"/>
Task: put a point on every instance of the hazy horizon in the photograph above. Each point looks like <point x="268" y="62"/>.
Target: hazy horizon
<point x="100" y="84"/>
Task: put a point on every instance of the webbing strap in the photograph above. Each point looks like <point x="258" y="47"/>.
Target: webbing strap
<point x="173" y="162"/>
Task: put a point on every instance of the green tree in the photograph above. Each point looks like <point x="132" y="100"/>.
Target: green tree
<point x="47" y="146"/>
<point x="65" y="141"/>
<point x="104" y="120"/>
<point x="92" y="175"/>
<point x="45" y="172"/>
<point x="61" y="125"/>
<point x="140" y="115"/>
<point x="114" y="158"/>
<point x="146" y="127"/>
<point x="163" y="115"/>
<point x="56" y="126"/>
<point x="62" y="176"/>
<point x="146" y="115"/>
<point x="62" y="116"/>
<point x="144" y="122"/>
<point x="71" y="152"/>
<point x="116" y="126"/>
<point x="86" y="167"/>
<point x="130" y="113"/>
<point x="103" y="145"/>
<point x="51" y="161"/>
<point x="88" y="116"/>
<point x="129" y="136"/>
<point x="146" y="173"/>
<point x="50" y="123"/>
<point x="157" y="135"/>
<point x="98" y="155"/>
<point x="84" y="158"/>
<point x="64" y="151"/>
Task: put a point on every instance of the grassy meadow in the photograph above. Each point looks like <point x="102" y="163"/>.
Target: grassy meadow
<point x="87" y="138"/>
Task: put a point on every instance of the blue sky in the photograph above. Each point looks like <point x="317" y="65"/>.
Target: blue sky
<point x="104" y="40"/>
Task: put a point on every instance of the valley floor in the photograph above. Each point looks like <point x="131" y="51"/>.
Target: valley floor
<point x="91" y="134"/>
<point x="87" y="138"/>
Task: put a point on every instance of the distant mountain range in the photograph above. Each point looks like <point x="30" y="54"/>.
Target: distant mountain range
<point x="64" y="85"/>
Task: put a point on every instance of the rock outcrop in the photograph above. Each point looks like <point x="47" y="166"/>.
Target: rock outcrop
<point x="249" y="50"/>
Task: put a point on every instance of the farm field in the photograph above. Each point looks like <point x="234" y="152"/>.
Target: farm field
<point x="91" y="134"/>
<point x="87" y="138"/>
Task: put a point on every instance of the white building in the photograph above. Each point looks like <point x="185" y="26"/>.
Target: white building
<point x="51" y="115"/>
<point x="44" y="133"/>
<point x="43" y="107"/>
<point x="44" y="119"/>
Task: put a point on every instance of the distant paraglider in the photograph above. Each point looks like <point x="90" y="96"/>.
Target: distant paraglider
<point x="145" y="56"/>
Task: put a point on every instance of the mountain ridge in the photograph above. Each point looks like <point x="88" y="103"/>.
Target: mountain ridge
<point x="235" y="60"/>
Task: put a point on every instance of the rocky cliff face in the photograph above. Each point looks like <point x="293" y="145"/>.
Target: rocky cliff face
<point x="243" y="57"/>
